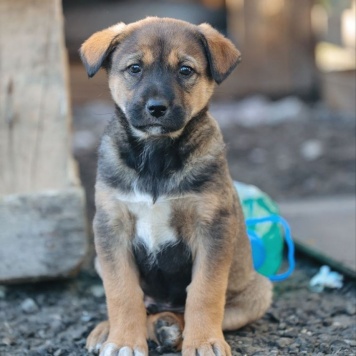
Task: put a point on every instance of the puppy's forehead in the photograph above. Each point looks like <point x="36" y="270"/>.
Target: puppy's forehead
<point x="165" y="41"/>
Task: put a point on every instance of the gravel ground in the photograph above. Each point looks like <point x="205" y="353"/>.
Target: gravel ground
<point x="307" y="152"/>
<point x="55" y="318"/>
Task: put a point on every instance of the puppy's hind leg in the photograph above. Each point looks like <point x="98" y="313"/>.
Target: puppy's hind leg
<point x="249" y="304"/>
<point x="166" y="330"/>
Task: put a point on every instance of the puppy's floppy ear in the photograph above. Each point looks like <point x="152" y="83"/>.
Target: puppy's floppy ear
<point x="97" y="47"/>
<point x="223" y="56"/>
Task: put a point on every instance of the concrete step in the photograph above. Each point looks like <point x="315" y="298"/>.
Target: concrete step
<point x="325" y="229"/>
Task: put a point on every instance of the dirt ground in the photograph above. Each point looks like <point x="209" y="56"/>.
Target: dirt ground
<point x="309" y="153"/>
<point x="55" y="318"/>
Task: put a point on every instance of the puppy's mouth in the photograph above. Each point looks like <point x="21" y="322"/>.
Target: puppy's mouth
<point x="153" y="129"/>
<point x="158" y="128"/>
<point x="147" y="126"/>
<point x="170" y="123"/>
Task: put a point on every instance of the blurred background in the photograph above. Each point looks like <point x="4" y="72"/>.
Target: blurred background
<point x="287" y="114"/>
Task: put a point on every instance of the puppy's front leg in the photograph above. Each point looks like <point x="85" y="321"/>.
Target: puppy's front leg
<point x="126" y="310"/>
<point x="205" y="303"/>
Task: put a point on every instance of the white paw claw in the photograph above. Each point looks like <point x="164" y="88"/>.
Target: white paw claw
<point x="111" y="349"/>
<point x="126" y="351"/>
<point x="94" y="349"/>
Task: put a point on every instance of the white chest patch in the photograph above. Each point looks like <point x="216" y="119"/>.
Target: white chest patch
<point x="153" y="227"/>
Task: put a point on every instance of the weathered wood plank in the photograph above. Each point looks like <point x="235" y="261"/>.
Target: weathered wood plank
<point x="325" y="229"/>
<point x="43" y="232"/>
<point x="43" y="235"/>
<point x="276" y="42"/>
<point x="34" y="105"/>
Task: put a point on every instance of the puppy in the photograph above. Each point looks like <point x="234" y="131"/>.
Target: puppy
<point x="169" y="232"/>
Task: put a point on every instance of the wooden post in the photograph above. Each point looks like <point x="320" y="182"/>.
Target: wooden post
<point x="276" y="41"/>
<point x="42" y="217"/>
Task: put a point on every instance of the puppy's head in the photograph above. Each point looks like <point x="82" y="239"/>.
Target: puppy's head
<point x="161" y="71"/>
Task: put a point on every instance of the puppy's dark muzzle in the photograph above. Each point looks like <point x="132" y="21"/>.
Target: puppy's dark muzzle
<point x="157" y="107"/>
<point x="156" y="112"/>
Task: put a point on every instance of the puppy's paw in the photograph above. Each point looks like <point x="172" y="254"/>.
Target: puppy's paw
<point x="210" y="347"/>
<point x="112" y="349"/>
<point x="97" y="337"/>
<point x="168" y="333"/>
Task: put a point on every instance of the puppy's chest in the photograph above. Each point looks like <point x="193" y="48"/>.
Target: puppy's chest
<point x="153" y="221"/>
<point x="163" y="258"/>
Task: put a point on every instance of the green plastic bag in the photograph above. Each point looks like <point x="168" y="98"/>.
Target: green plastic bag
<point x="256" y="204"/>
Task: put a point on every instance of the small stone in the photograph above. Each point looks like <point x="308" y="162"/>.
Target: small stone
<point x="274" y="317"/>
<point x="86" y="317"/>
<point x="29" y="306"/>
<point x="311" y="150"/>
<point x="7" y="341"/>
<point x="324" y="347"/>
<point x="42" y="334"/>
<point x="283" y="342"/>
<point x="97" y="291"/>
<point x="56" y="325"/>
<point x="294" y="346"/>
<point x="292" y="320"/>
<point x="350" y="309"/>
<point x="338" y="345"/>
<point x="291" y="333"/>
<point x="2" y="292"/>
<point x="351" y="343"/>
<point x="37" y="353"/>
<point x="78" y="332"/>
<point x="342" y="321"/>
<point x="282" y="326"/>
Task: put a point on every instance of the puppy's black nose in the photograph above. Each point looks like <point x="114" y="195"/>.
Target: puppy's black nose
<point x="157" y="107"/>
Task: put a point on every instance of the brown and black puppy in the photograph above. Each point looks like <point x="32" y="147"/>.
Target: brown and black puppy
<point x="169" y="231"/>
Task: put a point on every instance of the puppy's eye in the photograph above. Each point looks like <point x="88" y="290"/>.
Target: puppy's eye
<point x="135" y="69"/>
<point x="186" y="71"/>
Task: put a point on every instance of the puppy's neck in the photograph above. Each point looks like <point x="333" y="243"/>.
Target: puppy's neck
<point x="156" y="159"/>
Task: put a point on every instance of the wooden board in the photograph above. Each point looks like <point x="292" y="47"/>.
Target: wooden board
<point x="276" y="41"/>
<point x="43" y="235"/>
<point x="325" y="229"/>
<point x="34" y="103"/>
<point x="43" y="231"/>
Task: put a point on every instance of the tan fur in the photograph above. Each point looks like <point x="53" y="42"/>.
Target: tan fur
<point x="205" y="303"/>
<point x="225" y="292"/>
<point x="95" y="46"/>
<point x="98" y="336"/>
<point x="126" y="310"/>
<point x="223" y="51"/>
